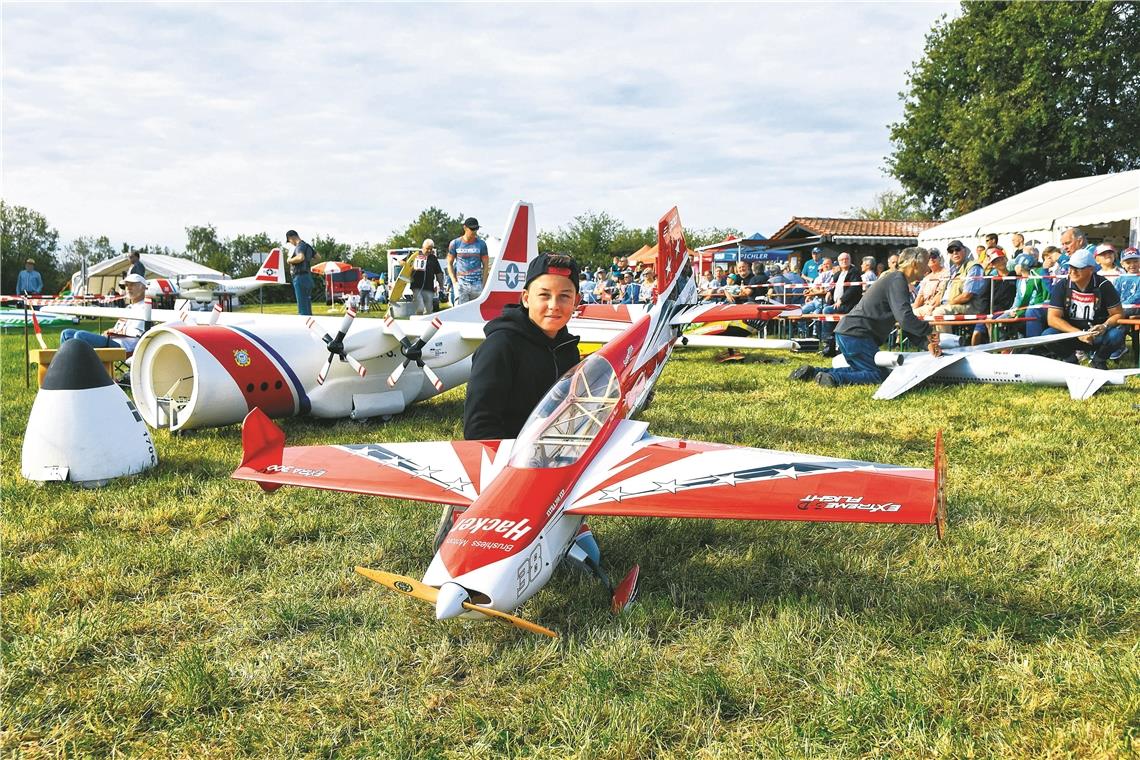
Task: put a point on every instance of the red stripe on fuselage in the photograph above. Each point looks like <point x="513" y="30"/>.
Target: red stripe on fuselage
<point x="506" y="518"/>
<point x="261" y="381"/>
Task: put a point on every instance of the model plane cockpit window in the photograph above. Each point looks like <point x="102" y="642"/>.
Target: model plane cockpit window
<point x="566" y="421"/>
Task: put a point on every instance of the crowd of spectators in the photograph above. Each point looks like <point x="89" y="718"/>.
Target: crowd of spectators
<point x="1073" y="287"/>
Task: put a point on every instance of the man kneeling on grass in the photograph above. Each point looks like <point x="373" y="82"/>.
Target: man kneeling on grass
<point x="867" y="326"/>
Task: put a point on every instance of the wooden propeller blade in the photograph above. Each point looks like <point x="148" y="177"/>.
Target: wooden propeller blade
<point x="514" y="620"/>
<point x="412" y="587"/>
<point x="402" y="279"/>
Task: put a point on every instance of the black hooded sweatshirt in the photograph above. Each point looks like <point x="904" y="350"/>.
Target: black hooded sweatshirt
<point x="511" y="372"/>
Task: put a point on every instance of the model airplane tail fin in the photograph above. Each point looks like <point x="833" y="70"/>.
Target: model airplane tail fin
<point x="672" y="252"/>
<point x="271" y="270"/>
<point x="508" y="274"/>
<point x="262" y="444"/>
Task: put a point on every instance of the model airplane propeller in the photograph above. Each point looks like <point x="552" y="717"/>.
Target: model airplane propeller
<point x="335" y="345"/>
<point x="524" y="502"/>
<point x="413" y="351"/>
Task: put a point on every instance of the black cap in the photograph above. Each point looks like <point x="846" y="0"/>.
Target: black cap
<point x="471" y="223"/>
<point x="552" y="263"/>
<point x="954" y="244"/>
<point x="76" y="367"/>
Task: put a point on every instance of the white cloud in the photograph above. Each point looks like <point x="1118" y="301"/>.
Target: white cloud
<point x="135" y="121"/>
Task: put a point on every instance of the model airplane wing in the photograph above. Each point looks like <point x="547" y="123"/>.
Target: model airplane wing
<point x="447" y="472"/>
<point x="727" y="312"/>
<point x="921" y="366"/>
<point x="667" y="477"/>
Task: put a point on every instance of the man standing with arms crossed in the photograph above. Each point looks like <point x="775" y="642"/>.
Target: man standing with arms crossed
<point x="467" y="263"/>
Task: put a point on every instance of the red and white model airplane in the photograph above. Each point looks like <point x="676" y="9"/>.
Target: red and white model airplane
<point x="581" y="454"/>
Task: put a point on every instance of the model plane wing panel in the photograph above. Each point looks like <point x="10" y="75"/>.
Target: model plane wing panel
<point x="447" y="472"/>
<point x="719" y="312"/>
<point x="673" y="478"/>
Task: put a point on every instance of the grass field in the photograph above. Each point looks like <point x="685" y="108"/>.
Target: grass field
<point x="183" y="614"/>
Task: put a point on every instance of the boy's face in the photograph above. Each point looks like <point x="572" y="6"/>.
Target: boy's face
<point x="550" y="301"/>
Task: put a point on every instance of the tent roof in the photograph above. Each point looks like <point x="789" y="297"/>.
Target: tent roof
<point x="156" y="264"/>
<point x="1050" y="208"/>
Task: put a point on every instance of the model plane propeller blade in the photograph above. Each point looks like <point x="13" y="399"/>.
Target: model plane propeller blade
<point x="396" y="373"/>
<point x="335" y="345"/>
<point x="394" y="328"/>
<point x="403" y="279"/>
<point x="413" y="352"/>
<point x="417" y="590"/>
<point x="214" y="314"/>
<point x="431" y="376"/>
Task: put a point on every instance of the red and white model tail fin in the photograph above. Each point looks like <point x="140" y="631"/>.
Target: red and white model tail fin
<point x="672" y="252"/>
<point x="505" y="280"/>
<point x="271" y="270"/>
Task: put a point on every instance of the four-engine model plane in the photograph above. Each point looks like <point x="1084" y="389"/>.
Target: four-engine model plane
<point x="975" y="364"/>
<point x="206" y="289"/>
<point x="581" y="454"/>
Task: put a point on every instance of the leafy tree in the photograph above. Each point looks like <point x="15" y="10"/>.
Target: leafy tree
<point x="891" y="204"/>
<point x="432" y="223"/>
<point x="589" y="238"/>
<point x="25" y="234"/>
<point x="1013" y="94"/>
<point x="372" y="257"/>
<point x="329" y="249"/>
<point x="244" y="250"/>
<point x="204" y="247"/>
<point x="708" y="235"/>
<point x="90" y="249"/>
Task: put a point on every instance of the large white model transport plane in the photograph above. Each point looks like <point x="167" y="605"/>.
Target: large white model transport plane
<point x="581" y="453"/>
<point x="186" y="375"/>
<point x="977" y="364"/>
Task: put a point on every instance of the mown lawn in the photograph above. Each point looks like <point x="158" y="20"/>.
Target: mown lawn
<point x="183" y="614"/>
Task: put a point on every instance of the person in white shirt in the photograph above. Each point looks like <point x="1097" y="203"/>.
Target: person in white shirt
<point x="126" y="332"/>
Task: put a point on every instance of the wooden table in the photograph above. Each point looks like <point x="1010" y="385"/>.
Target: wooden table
<point x="43" y="357"/>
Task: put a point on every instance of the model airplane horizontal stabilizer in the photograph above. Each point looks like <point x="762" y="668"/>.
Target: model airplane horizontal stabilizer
<point x="430" y="594"/>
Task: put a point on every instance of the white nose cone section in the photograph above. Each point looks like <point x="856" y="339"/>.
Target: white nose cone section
<point x="449" y="602"/>
<point x="83" y="428"/>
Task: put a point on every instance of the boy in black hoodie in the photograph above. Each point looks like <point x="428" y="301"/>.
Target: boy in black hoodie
<point x="527" y="349"/>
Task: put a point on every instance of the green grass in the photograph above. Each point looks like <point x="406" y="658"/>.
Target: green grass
<point x="183" y="614"/>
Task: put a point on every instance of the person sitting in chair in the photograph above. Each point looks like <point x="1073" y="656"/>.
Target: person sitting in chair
<point x="126" y="332"/>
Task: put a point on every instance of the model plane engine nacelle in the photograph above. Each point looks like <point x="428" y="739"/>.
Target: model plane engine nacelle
<point x="193" y="376"/>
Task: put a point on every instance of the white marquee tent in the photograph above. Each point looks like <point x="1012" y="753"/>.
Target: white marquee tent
<point x="1106" y="207"/>
<point x="104" y="276"/>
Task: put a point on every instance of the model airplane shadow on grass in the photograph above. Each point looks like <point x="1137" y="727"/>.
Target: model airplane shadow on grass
<point x="976" y="364"/>
<point x="581" y="454"/>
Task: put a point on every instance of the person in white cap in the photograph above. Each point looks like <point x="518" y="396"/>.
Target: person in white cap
<point x="1085" y="301"/>
<point x="1106" y="258"/>
<point x="126" y="332"/>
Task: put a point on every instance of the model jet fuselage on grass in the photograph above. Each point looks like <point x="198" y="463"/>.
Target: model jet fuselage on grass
<point x="581" y="454"/>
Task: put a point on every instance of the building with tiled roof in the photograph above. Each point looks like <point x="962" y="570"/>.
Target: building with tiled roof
<point x="859" y="237"/>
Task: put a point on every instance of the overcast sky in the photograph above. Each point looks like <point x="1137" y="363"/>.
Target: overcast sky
<point x="137" y="120"/>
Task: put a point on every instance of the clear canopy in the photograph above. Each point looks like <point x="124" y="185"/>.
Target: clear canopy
<point x="564" y="423"/>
